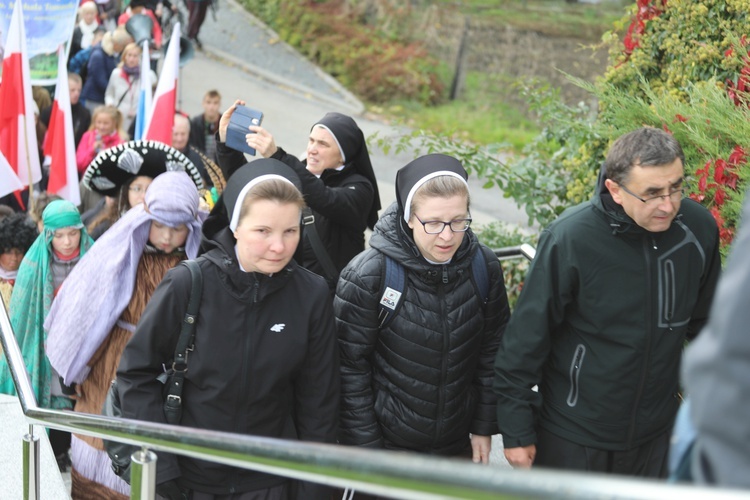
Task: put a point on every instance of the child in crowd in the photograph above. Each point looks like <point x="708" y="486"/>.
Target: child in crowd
<point x="105" y="132"/>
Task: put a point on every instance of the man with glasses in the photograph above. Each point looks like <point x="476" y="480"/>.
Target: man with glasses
<point x="617" y="286"/>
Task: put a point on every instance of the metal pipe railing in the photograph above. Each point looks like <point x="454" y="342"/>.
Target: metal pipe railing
<point x="397" y="475"/>
<point x="515" y="252"/>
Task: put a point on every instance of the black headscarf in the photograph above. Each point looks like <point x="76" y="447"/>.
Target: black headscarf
<point x="352" y="143"/>
<point x="410" y="177"/>
<point x="249" y="172"/>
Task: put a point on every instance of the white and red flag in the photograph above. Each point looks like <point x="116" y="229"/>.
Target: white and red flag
<point x="145" y="96"/>
<point x="59" y="144"/>
<point x="9" y="181"/>
<point x="17" y="128"/>
<point x="161" y="118"/>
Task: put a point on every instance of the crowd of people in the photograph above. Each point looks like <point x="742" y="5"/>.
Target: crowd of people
<point x="305" y="332"/>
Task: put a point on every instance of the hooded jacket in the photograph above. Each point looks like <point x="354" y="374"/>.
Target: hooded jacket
<point x="601" y="323"/>
<point x="423" y="382"/>
<point x="265" y="361"/>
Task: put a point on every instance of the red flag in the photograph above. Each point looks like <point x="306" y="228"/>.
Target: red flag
<point x="8" y="179"/>
<point x="161" y="120"/>
<point x="59" y="145"/>
<point x="17" y="129"/>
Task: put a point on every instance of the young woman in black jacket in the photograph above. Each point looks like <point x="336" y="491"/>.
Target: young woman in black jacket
<point x="423" y="381"/>
<point x="265" y="343"/>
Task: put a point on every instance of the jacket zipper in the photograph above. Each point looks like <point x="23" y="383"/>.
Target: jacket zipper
<point x="669" y="291"/>
<point x="248" y="352"/>
<point x="575" y="371"/>
<point x="443" y="364"/>
<point x="647" y="353"/>
<point x="240" y="429"/>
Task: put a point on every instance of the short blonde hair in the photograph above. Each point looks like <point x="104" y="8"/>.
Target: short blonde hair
<point x="443" y="186"/>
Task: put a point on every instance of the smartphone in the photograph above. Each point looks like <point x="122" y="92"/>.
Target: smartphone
<point x="241" y="119"/>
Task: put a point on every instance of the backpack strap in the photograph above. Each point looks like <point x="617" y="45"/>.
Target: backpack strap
<point x="185" y="344"/>
<point x="392" y="287"/>
<point x="481" y="276"/>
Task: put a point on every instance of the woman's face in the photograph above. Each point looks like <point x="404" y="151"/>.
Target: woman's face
<point x="104" y="124"/>
<point x="322" y="151"/>
<point x="88" y="16"/>
<point x="167" y="238"/>
<point x="132" y="58"/>
<point x="439" y="247"/>
<point x="267" y="236"/>
<point x="137" y="190"/>
<point x="11" y="259"/>
<point x="66" y="241"/>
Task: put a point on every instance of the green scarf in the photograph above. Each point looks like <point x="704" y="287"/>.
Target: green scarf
<point x="31" y="301"/>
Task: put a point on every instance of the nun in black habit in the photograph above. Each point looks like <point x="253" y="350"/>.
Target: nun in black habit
<point x="338" y="183"/>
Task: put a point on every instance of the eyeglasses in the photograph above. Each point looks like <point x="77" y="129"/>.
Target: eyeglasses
<point x="673" y="196"/>
<point x="438" y="226"/>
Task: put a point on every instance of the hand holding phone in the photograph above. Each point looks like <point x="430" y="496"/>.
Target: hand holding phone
<point x="242" y="118"/>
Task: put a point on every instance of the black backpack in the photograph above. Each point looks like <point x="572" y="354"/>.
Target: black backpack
<point x="393" y="284"/>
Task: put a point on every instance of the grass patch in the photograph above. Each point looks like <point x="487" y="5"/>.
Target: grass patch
<point x="483" y="115"/>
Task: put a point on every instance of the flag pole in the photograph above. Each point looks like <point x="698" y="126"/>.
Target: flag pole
<point x="28" y="166"/>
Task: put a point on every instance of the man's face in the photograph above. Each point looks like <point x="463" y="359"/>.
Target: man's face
<point x="180" y="134"/>
<point x="211" y="107"/>
<point x="75" y="91"/>
<point x="646" y="183"/>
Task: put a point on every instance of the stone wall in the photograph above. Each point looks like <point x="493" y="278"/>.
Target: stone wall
<point x="511" y="53"/>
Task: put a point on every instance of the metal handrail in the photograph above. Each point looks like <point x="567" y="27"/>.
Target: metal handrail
<point x="514" y="252"/>
<point x="397" y="475"/>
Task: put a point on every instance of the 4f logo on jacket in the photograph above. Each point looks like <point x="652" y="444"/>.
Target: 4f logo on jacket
<point x="278" y="327"/>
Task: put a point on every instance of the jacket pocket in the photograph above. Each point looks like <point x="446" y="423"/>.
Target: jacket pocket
<point x="575" y="371"/>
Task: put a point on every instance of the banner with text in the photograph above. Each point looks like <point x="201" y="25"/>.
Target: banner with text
<point x="48" y="23"/>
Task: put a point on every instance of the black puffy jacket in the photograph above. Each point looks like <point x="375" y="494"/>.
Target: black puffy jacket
<point x="423" y="382"/>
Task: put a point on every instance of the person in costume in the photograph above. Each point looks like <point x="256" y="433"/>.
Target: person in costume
<point x="422" y="381"/>
<point x="136" y="165"/>
<point x="338" y="182"/>
<point x="48" y="262"/>
<point x="97" y="309"/>
<point x="270" y="369"/>
<point x="17" y="234"/>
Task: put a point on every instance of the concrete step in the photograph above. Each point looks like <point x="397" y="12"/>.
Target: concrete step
<point x="12" y="430"/>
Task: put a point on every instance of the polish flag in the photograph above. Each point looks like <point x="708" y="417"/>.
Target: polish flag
<point x="17" y="129"/>
<point x="145" y="97"/>
<point x="9" y="181"/>
<point x="161" y="118"/>
<point x="59" y="145"/>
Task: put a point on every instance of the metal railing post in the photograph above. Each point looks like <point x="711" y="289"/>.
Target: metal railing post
<point x="31" y="490"/>
<point x="143" y="475"/>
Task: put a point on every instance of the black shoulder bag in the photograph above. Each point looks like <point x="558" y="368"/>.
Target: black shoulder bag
<point x="329" y="270"/>
<point x="173" y="379"/>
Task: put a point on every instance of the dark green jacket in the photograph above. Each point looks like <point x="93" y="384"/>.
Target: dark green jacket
<point x="600" y="326"/>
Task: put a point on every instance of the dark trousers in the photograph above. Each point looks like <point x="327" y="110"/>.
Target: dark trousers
<point x="197" y="14"/>
<point x="647" y="460"/>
